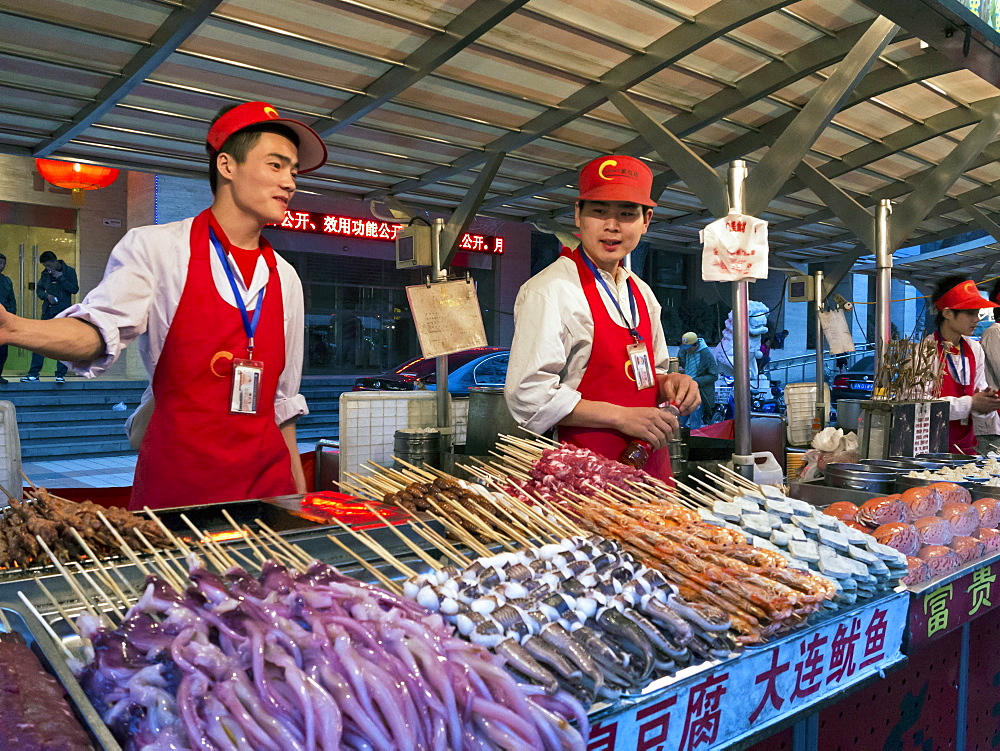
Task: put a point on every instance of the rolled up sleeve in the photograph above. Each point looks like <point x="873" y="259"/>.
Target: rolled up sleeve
<point x="289" y="404"/>
<point x="535" y="392"/>
<point x="119" y="306"/>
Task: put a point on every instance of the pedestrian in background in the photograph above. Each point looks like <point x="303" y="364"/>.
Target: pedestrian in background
<point x="696" y="360"/>
<point x="56" y="287"/>
<point x="988" y="427"/>
<point x="9" y="303"/>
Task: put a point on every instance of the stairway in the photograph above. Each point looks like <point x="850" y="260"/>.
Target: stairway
<point x="75" y="419"/>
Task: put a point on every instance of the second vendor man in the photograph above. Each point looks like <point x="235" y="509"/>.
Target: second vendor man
<point x="589" y="356"/>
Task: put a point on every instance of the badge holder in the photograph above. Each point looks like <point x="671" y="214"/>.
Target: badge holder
<point x="245" y="394"/>
<point x="642" y="368"/>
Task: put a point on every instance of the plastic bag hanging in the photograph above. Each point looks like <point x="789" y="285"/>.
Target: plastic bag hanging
<point x="734" y="248"/>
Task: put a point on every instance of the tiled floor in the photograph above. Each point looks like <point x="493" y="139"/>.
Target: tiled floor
<point x="92" y="472"/>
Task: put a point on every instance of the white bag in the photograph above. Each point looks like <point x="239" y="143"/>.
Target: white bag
<point x="735" y="247"/>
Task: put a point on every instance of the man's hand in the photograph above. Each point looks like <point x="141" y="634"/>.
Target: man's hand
<point x="51" y="299"/>
<point x="70" y="339"/>
<point x="681" y="391"/>
<point x="985" y="401"/>
<point x="652" y="424"/>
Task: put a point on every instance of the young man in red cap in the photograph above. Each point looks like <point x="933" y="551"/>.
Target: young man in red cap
<point x="589" y="355"/>
<point x="219" y="319"/>
<point x="963" y="384"/>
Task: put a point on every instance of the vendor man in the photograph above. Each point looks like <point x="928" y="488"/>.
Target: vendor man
<point x="589" y="356"/>
<point x="963" y="363"/>
<point x="214" y="309"/>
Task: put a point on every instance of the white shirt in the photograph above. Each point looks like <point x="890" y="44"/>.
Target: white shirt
<point x="140" y="292"/>
<point x="553" y="339"/>
<point x="961" y="406"/>
<point x="990" y="343"/>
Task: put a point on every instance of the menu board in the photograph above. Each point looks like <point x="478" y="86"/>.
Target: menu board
<point x="447" y="317"/>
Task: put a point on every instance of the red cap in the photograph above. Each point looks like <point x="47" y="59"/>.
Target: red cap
<point x="964" y="296"/>
<point x="312" y="150"/>
<point x="617" y="178"/>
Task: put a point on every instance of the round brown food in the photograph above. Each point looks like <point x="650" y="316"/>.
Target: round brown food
<point x="843" y="510"/>
<point x="922" y="501"/>
<point x="898" y="536"/>
<point x="964" y="517"/>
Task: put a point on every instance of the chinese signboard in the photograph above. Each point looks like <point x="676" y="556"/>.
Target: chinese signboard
<point x="372" y="229"/>
<point x="716" y="707"/>
<point x="942" y="609"/>
<point x="987" y="10"/>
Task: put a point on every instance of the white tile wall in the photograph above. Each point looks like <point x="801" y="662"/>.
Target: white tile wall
<point x="369" y="421"/>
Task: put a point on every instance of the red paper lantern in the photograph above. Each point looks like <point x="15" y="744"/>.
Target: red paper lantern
<point x="75" y="176"/>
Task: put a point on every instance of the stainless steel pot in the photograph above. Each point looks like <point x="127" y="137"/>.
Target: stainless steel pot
<point x="859" y="477"/>
<point x="417" y="446"/>
<point x="489" y="418"/>
<point x="849" y="414"/>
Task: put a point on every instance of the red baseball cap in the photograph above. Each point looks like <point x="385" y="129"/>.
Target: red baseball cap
<point x="617" y="178"/>
<point x="964" y="296"/>
<point x="312" y="150"/>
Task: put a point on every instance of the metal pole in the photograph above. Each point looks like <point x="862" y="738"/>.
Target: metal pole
<point x="441" y="363"/>
<point x="883" y="287"/>
<point x="820" y="419"/>
<point x="743" y="457"/>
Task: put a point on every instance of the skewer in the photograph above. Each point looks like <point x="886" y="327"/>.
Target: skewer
<point x="477" y="521"/>
<point x="422" y="555"/>
<point x="123" y="546"/>
<point x="31" y="485"/>
<point x="106" y="577"/>
<point x="4" y="622"/>
<point x="166" y="531"/>
<point x="104" y="595"/>
<point x="370" y="543"/>
<point x="458" y="531"/>
<point x="69" y="578"/>
<point x="166" y="571"/>
<point x="540" y="437"/>
<point x="374" y="486"/>
<point x="384" y="580"/>
<point x="55" y="603"/>
<point x="46" y="626"/>
<point x="9" y="495"/>
<point x="696" y="496"/>
<point x="422" y="529"/>
<point x="200" y="539"/>
<point x="750" y="485"/>
<point x="266" y="553"/>
<point x="530" y="511"/>
<point x="710" y="488"/>
<point x="280" y="552"/>
<point x="514" y="535"/>
<point x="293" y="550"/>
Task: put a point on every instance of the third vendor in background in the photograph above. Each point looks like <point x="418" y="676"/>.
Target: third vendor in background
<point x="988" y="428"/>
<point x="589" y="355"/>
<point x="963" y="382"/>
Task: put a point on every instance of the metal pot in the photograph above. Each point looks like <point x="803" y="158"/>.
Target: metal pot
<point x="951" y="459"/>
<point x="980" y="491"/>
<point x="892" y="465"/>
<point x="849" y="414"/>
<point x="859" y="477"/>
<point x="417" y="446"/>
<point x="488" y="419"/>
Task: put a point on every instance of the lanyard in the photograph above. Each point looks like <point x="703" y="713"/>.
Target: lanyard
<point x="249" y="326"/>
<point x="633" y="328"/>
<point x="951" y="362"/>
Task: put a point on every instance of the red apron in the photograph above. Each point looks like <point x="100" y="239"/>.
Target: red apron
<point x="961" y="437"/>
<point x="194" y="450"/>
<point x="608" y="376"/>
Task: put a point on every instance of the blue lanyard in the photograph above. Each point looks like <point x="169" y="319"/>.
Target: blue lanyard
<point x="249" y="326"/>
<point x="633" y="328"/>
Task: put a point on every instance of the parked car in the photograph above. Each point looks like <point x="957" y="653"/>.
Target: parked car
<point x="482" y="366"/>
<point x="857" y="382"/>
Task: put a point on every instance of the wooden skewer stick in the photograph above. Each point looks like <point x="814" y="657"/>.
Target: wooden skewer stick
<point x="288" y="558"/>
<point x="123" y="546"/>
<point x="539" y="520"/>
<point x="294" y="550"/>
<point x="374" y="488"/>
<point x="458" y="530"/>
<point x="696" y="496"/>
<point x="166" y="531"/>
<point x="268" y="554"/>
<point x="750" y="484"/>
<point x="70" y="579"/>
<point x="31" y="485"/>
<point x="105" y="576"/>
<point x="491" y="517"/>
<point x="369" y="542"/>
<point x="406" y="540"/>
<point x="59" y="608"/>
<point x="712" y="489"/>
<point x="422" y="529"/>
<point x="476" y="521"/>
<point x="103" y="595"/>
<point x="381" y="578"/>
<point x="201" y="540"/>
<point x="421" y="472"/>
<point x="165" y="569"/>
<point x="45" y="624"/>
<point x="540" y="437"/>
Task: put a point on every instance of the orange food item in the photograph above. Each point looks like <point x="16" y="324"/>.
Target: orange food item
<point x="989" y="512"/>
<point x="843" y="510"/>
<point x="934" y="530"/>
<point x="968" y="548"/>
<point x="918" y="571"/>
<point x="898" y="536"/>
<point x="964" y="517"/>
<point x="952" y="493"/>
<point x="883" y="510"/>
<point x="922" y="501"/>
<point x="940" y="559"/>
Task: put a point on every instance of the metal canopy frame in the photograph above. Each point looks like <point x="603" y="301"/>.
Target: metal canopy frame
<point x="413" y="99"/>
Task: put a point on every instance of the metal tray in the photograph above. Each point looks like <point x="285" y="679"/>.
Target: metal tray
<point x="53" y="661"/>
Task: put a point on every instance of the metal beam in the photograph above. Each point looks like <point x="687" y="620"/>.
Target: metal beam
<point x="794" y="143"/>
<point x="702" y="180"/>
<point x="551" y="226"/>
<point x="983" y="220"/>
<point x="854" y="216"/>
<point x="933" y="188"/>
<point x="463" y="30"/>
<point x="835" y="272"/>
<point x="178" y="26"/>
<point x="466" y="210"/>
<point x="770" y="78"/>
<point x="712" y="23"/>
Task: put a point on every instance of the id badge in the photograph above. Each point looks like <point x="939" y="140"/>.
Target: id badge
<point x="247" y="376"/>
<point x="638" y="355"/>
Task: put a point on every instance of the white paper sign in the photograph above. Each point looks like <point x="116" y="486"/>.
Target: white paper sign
<point x="835" y="329"/>
<point x="734" y="248"/>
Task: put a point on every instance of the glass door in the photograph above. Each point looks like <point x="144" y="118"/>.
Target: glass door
<point x="22" y="245"/>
